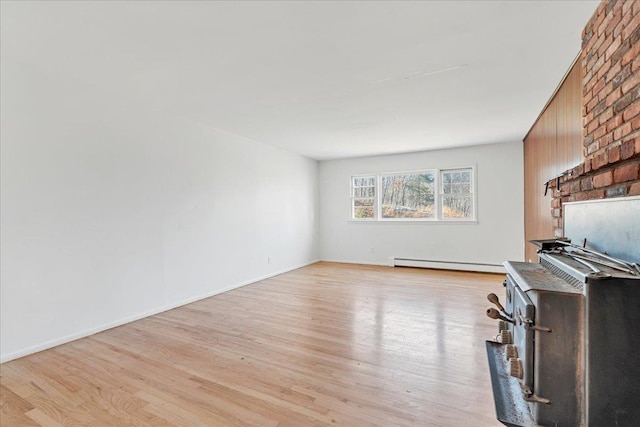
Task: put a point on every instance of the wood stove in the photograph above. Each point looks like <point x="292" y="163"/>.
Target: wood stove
<point x="568" y="343"/>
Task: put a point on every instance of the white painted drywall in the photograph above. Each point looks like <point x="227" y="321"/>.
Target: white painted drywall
<point x="497" y="236"/>
<point x="112" y="211"/>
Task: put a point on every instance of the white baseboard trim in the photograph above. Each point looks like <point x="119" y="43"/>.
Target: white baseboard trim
<point x="449" y="265"/>
<point x="342" y="261"/>
<point x="88" y="332"/>
<point x="439" y="265"/>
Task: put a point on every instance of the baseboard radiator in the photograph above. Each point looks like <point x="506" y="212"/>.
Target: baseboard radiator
<point x="448" y="265"/>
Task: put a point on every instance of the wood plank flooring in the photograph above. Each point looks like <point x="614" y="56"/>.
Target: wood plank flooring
<point x="326" y="345"/>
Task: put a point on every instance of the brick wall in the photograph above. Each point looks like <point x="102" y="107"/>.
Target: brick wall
<point x="611" y="110"/>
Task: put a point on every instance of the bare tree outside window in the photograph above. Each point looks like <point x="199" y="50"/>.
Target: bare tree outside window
<point x="457" y="197"/>
<point x="408" y="195"/>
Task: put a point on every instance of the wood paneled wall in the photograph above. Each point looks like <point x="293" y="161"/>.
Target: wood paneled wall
<point x="552" y="146"/>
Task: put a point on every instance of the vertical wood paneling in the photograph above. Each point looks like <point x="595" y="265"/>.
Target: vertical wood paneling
<point x="563" y="145"/>
<point x="553" y="145"/>
<point x="569" y="113"/>
<point x="530" y="183"/>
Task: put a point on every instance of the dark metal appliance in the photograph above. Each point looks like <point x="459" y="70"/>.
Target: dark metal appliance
<point x="567" y="351"/>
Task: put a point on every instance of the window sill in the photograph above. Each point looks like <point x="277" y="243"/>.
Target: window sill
<point x="411" y="222"/>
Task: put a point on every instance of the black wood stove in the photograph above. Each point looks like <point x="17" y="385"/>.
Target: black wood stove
<point x="567" y="352"/>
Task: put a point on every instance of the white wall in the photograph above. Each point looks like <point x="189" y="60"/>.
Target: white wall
<point x="112" y="211"/>
<point x="497" y="236"/>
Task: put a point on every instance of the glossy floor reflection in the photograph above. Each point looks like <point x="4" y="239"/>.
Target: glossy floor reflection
<point x="329" y="344"/>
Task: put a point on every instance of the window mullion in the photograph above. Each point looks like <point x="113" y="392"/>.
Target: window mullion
<point x="378" y="199"/>
<point x="436" y="195"/>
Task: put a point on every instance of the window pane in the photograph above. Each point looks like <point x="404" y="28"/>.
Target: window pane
<point x="363" y="208"/>
<point x="368" y="181"/>
<point x="363" y="202"/>
<point x="457" y="206"/>
<point x="408" y="196"/>
<point x="364" y="192"/>
<point x="363" y="212"/>
<point x="456" y="177"/>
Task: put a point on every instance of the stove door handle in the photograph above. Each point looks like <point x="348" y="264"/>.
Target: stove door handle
<point x="529" y="396"/>
<point x="538" y="328"/>
<point x="536" y="399"/>
<point x="493" y="298"/>
<point x="494" y="314"/>
<point x="528" y="324"/>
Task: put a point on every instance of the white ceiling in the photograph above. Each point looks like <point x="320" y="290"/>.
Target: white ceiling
<point x="323" y="79"/>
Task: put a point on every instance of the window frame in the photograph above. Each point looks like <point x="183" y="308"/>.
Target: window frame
<point x="472" y="193"/>
<point x="353" y="198"/>
<point x="438" y="197"/>
<point x="415" y="172"/>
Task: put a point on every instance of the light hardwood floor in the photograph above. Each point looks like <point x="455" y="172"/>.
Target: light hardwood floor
<point x="329" y="344"/>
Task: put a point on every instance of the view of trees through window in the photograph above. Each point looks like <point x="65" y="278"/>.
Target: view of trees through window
<point x="364" y="197"/>
<point x="429" y="195"/>
<point x="408" y="195"/>
<point x="457" y="199"/>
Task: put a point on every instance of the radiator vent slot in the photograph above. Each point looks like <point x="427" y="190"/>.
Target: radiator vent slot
<point x="562" y="274"/>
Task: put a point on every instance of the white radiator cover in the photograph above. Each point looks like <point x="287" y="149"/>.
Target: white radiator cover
<point x="447" y="265"/>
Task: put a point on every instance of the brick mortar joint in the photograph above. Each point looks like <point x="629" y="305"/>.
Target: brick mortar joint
<point x="566" y="177"/>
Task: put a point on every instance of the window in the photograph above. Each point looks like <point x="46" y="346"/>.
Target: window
<point x="408" y="195"/>
<point x="457" y="194"/>
<point x="429" y="195"/>
<point x="363" y="197"/>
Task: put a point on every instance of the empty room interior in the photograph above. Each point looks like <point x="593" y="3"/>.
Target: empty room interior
<point x="267" y="213"/>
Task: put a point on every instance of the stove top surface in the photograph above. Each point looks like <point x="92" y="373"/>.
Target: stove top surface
<point x="535" y="276"/>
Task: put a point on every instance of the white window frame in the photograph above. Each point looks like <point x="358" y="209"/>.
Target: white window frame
<point x="435" y="195"/>
<point x="472" y="192"/>
<point x="353" y="198"/>
<point x="438" y="197"/>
